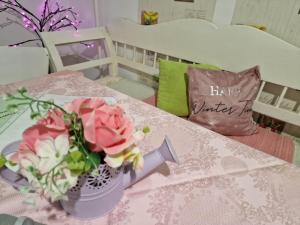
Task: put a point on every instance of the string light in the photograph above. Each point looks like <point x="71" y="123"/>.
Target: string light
<point x="53" y="17"/>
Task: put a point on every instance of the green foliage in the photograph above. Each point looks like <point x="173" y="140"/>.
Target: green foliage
<point x="146" y="130"/>
<point x="75" y="162"/>
<point x="12" y="108"/>
<point x="78" y="163"/>
<point x="22" y="90"/>
<point x="2" y="161"/>
<point x="25" y="189"/>
<point x="94" y="158"/>
<point x="37" y="107"/>
<point x="35" y="115"/>
<point x="75" y="156"/>
<point x="35" y="172"/>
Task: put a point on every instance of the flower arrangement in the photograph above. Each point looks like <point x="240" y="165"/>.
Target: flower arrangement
<point x="66" y="142"/>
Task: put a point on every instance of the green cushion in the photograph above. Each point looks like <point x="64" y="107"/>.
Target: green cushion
<point x="172" y="90"/>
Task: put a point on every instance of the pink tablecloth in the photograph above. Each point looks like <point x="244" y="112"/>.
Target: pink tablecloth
<point x="219" y="181"/>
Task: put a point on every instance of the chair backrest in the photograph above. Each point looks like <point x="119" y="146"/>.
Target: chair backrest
<point x="232" y="48"/>
<point x="54" y="39"/>
<point x="21" y="63"/>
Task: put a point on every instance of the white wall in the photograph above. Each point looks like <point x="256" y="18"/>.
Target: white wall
<point x="170" y="9"/>
<point x="218" y="11"/>
<point x="279" y="16"/>
<point x="11" y="32"/>
<point x="110" y="10"/>
<point x="224" y="12"/>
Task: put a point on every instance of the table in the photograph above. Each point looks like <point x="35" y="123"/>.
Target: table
<point x="219" y="181"/>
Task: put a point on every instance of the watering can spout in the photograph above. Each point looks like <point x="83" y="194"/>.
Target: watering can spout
<point x="151" y="161"/>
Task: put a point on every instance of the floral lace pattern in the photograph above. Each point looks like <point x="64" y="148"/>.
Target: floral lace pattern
<point x="218" y="181"/>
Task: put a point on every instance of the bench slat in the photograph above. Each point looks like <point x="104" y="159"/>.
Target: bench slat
<point x="138" y="66"/>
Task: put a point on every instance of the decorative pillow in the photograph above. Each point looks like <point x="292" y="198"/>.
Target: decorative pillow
<point x="172" y="91"/>
<point x="222" y="100"/>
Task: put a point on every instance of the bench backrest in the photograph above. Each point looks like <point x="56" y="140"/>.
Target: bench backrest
<point x="233" y="48"/>
<point x="54" y="39"/>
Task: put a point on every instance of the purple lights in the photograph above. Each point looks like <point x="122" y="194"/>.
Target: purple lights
<point x="53" y="16"/>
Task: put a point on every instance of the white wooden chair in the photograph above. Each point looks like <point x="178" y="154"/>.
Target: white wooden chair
<point x="54" y="39"/>
<point x="21" y="63"/>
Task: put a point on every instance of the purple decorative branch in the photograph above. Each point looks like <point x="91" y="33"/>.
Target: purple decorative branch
<point x="23" y="42"/>
<point x="54" y="17"/>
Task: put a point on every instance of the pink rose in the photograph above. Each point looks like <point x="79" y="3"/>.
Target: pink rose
<point x="54" y="121"/>
<point x="52" y="125"/>
<point x="84" y="105"/>
<point x="106" y="128"/>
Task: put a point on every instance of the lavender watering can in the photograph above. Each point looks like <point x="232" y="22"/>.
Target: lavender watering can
<point x="95" y="196"/>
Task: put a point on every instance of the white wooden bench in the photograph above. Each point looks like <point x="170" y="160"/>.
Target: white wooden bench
<point x="135" y="49"/>
<point x="92" y="67"/>
<point x="232" y="48"/>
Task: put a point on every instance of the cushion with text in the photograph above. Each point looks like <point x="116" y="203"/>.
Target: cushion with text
<point x="222" y="101"/>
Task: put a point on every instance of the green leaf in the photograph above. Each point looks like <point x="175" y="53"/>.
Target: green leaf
<point x="12" y="108"/>
<point x="12" y="163"/>
<point x="94" y="158"/>
<point x="67" y="119"/>
<point x="34" y="172"/>
<point x="76" y="172"/>
<point x="87" y="167"/>
<point x="22" y="90"/>
<point x="45" y="106"/>
<point x="73" y="165"/>
<point x="76" y="163"/>
<point x="35" y="115"/>
<point x="77" y="168"/>
<point x="25" y="189"/>
<point x="76" y="155"/>
<point x="30" y="201"/>
<point x="146" y="130"/>
<point x="2" y="161"/>
<point x="76" y="127"/>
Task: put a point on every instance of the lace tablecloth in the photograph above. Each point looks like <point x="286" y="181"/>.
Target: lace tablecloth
<point x="219" y="181"/>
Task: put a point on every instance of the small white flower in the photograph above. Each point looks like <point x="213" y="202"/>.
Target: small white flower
<point x="46" y="171"/>
<point x="131" y="154"/>
<point x="56" y="184"/>
<point x="139" y="135"/>
<point x="51" y="152"/>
